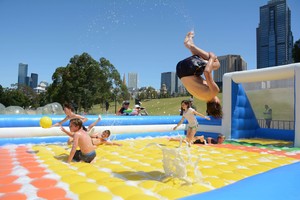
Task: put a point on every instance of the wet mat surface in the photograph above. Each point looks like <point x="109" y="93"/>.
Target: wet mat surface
<point x="134" y="170"/>
<point x="268" y="142"/>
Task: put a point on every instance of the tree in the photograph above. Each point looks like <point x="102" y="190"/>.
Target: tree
<point x="19" y="95"/>
<point x="1" y="93"/>
<point x="296" y="51"/>
<point x="147" y="93"/>
<point x="113" y="83"/>
<point x="13" y="97"/>
<point x="85" y="82"/>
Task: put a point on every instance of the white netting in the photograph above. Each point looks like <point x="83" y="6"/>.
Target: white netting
<point x="278" y="95"/>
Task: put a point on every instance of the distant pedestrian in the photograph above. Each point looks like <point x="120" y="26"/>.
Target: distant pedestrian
<point x="268" y="115"/>
<point x="106" y="106"/>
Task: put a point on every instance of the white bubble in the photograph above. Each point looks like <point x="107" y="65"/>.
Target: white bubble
<point x="14" y="110"/>
<point x="2" y="109"/>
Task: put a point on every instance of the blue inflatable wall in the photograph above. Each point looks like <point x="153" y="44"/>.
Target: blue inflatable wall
<point x="244" y="122"/>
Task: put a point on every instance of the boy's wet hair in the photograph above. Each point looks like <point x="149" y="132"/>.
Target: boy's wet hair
<point x="108" y="132"/>
<point x="76" y="122"/>
<point x="69" y="106"/>
<point x="214" y="109"/>
<point x="221" y="136"/>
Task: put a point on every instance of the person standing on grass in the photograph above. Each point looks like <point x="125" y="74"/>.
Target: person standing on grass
<point x="268" y="115"/>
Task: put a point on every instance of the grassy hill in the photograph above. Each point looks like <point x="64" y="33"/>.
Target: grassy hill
<point x="280" y="100"/>
<point x="166" y="106"/>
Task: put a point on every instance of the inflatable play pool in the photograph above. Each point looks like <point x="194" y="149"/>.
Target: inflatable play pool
<point x="146" y="166"/>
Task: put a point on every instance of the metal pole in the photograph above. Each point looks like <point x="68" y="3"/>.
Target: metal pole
<point x="115" y="103"/>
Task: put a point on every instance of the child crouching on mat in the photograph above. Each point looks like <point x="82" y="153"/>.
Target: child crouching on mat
<point x="82" y="140"/>
<point x="89" y="130"/>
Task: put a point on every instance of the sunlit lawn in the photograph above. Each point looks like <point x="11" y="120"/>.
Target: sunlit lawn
<point x="281" y="101"/>
<point x="165" y="106"/>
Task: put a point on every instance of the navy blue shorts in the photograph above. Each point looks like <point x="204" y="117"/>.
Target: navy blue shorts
<point x="191" y="66"/>
<point x="84" y="157"/>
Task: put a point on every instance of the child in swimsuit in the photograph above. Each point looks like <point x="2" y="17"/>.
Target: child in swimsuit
<point x="82" y="140"/>
<point x="196" y="140"/>
<point x="99" y="139"/>
<point x="69" y="111"/>
<point x="190" y="70"/>
<point x="220" y="140"/>
<point x="90" y="129"/>
<point x="189" y="114"/>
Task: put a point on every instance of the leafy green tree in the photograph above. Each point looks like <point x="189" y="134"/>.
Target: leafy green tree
<point x="112" y="83"/>
<point x="1" y="93"/>
<point x="13" y="97"/>
<point x="85" y="82"/>
<point x="41" y="100"/>
<point x="296" y="51"/>
<point x="147" y="93"/>
<point x="18" y="95"/>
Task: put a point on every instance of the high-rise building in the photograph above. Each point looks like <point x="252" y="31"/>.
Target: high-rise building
<point x="171" y="82"/>
<point x="274" y="38"/>
<point x="22" y="74"/>
<point x="132" y="81"/>
<point x="228" y="63"/>
<point x="33" y="80"/>
<point x="124" y="79"/>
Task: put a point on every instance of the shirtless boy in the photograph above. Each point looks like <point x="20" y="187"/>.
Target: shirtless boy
<point x="69" y="111"/>
<point x="99" y="139"/>
<point x="190" y="70"/>
<point x="82" y="140"/>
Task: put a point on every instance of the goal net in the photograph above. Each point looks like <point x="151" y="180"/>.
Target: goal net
<point x="262" y="103"/>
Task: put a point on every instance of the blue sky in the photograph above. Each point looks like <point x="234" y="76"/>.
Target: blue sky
<point x="142" y="36"/>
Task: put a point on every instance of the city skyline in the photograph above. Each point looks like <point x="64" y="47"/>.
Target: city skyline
<point x="132" y="80"/>
<point x="143" y="37"/>
<point x="274" y="35"/>
<point x="22" y="73"/>
<point x="24" y="79"/>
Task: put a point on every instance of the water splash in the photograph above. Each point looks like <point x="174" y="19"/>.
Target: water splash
<point x="177" y="163"/>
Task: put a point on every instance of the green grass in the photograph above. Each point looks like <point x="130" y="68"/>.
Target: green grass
<point x="165" y="106"/>
<point x="280" y="100"/>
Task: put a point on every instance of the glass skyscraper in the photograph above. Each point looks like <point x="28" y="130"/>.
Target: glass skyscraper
<point x="132" y="80"/>
<point x="34" y="80"/>
<point x="274" y="37"/>
<point x="22" y="74"/>
<point x="171" y="81"/>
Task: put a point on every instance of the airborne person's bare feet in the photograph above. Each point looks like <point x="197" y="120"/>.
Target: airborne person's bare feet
<point x="188" y="40"/>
